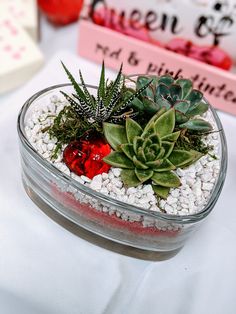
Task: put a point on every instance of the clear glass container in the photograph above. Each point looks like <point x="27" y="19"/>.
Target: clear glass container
<point x="124" y="228"/>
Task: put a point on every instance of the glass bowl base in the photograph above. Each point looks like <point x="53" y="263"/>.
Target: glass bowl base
<point x="94" y="238"/>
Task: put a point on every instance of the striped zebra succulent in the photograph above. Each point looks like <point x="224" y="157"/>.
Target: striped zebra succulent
<point x="149" y="153"/>
<point x="107" y="105"/>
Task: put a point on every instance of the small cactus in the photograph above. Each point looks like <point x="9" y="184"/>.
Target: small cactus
<point x="148" y="153"/>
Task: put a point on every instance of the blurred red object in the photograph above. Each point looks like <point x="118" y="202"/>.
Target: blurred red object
<point x="61" y="12"/>
<point x="211" y="55"/>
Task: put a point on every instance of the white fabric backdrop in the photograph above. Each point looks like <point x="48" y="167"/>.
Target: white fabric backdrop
<point x="46" y="269"/>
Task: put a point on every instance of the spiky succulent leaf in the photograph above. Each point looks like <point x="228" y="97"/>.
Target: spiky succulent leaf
<point x="141" y="82"/>
<point x="76" y="86"/>
<point x="119" y="160"/>
<point x="88" y="98"/>
<point x="102" y="83"/>
<point x="198" y="125"/>
<point x="114" y="89"/>
<point x="167" y="179"/>
<point x="115" y="135"/>
<point x="82" y="105"/>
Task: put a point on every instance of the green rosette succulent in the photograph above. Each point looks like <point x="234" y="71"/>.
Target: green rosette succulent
<point x="149" y="153"/>
<point x="165" y="92"/>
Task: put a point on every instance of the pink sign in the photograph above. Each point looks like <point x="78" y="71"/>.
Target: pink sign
<point x="99" y="43"/>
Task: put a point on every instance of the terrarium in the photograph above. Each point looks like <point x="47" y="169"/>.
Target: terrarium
<point x="140" y="160"/>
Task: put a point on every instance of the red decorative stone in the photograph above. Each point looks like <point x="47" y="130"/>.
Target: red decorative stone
<point x="84" y="156"/>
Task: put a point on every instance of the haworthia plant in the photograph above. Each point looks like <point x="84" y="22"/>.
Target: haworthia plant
<point x="149" y="153"/>
<point x="165" y="92"/>
<point x="106" y="106"/>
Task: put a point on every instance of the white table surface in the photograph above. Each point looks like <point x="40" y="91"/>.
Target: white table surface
<point x="46" y="269"/>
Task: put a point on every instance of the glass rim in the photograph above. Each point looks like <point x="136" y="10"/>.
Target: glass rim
<point x="173" y="218"/>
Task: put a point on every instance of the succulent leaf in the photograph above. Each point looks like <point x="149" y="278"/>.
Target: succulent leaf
<point x="141" y="155"/>
<point x="128" y="150"/>
<point x="132" y="129"/>
<point x="88" y="98"/>
<point x="186" y="86"/>
<point x="143" y="175"/>
<point x="119" y="160"/>
<point x="102" y="83"/>
<point x="154" y="118"/>
<point x="197" y="109"/>
<point x="198" y="125"/>
<point x="137" y="142"/>
<point x="163" y="90"/>
<point x="161" y="191"/>
<point x="154" y="164"/>
<point x="115" y="134"/>
<point x="194" y="96"/>
<point x="175" y="92"/>
<point x="141" y="82"/>
<point x="166" y="79"/>
<point x="166" y="165"/>
<point x="163" y="103"/>
<point x="180" y="117"/>
<point x="188" y="102"/>
<point x="151" y="106"/>
<point x="76" y="86"/>
<point x="168" y="147"/>
<point x="165" y="124"/>
<point x="149" y="131"/>
<point x="168" y="179"/>
<point x="180" y="158"/>
<point x="138" y="164"/>
<point x="182" y="106"/>
<point x="172" y="137"/>
<point x="129" y="178"/>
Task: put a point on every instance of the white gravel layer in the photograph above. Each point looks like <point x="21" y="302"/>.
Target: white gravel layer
<point x="197" y="181"/>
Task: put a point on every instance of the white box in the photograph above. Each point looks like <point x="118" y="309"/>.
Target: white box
<point x="24" y="12"/>
<point x="20" y="58"/>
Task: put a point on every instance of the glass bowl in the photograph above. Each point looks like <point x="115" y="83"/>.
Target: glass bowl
<point x="130" y="229"/>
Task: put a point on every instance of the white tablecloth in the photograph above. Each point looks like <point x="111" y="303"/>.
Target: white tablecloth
<point x="46" y="269"/>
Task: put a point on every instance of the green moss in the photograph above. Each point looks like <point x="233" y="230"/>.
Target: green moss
<point x="189" y="141"/>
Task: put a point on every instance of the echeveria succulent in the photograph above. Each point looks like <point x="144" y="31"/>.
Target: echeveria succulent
<point x="165" y="92"/>
<point x="149" y="153"/>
